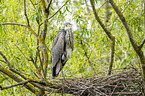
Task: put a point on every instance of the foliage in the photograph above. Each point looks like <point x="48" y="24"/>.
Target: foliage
<point x="18" y="43"/>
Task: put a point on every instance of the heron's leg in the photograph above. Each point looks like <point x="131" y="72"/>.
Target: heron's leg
<point x="62" y="73"/>
<point x="62" y="82"/>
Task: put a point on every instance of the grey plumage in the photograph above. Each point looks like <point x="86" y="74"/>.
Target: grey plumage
<point x="61" y="49"/>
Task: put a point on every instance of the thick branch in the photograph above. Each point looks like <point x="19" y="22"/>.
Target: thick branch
<point x="133" y="43"/>
<point x="17" y="79"/>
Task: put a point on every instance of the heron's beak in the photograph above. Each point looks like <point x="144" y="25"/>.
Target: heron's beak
<point x="68" y="27"/>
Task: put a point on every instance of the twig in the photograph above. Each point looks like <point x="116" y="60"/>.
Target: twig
<point x="32" y="4"/>
<point x="88" y="57"/>
<point x="3" y="61"/>
<point x="26" y="57"/>
<point x="22" y="52"/>
<point x="142" y="43"/>
<point x="58" y="10"/>
<point x="25" y="13"/>
<point x="93" y="52"/>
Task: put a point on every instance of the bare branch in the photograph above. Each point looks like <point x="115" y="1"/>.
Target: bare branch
<point x="14" y="85"/>
<point x="58" y="10"/>
<point x="25" y="13"/>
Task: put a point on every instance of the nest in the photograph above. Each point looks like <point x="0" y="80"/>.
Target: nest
<point x="128" y="82"/>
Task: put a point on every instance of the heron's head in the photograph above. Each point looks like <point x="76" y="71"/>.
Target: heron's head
<point x="68" y="26"/>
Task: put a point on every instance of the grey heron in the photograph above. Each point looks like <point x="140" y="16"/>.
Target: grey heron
<point x="61" y="49"/>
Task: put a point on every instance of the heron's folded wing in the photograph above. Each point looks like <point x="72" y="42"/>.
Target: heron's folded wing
<point x="57" y="48"/>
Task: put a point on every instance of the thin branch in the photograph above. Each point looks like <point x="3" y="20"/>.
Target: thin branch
<point x="33" y="4"/>
<point x="31" y="59"/>
<point x="22" y="52"/>
<point x="14" y="85"/>
<point x="86" y="54"/>
<point x="48" y="6"/>
<point x="30" y="29"/>
<point x="3" y="61"/>
<point x="25" y="13"/>
<point x="93" y="52"/>
<point x="142" y="43"/>
<point x="58" y="10"/>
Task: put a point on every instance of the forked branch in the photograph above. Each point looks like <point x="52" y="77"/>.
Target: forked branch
<point x="111" y="37"/>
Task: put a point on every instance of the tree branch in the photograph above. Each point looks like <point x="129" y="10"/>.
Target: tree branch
<point x="86" y="54"/>
<point x="111" y="37"/>
<point x="100" y="22"/>
<point x="48" y="6"/>
<point x="142" y="43"/>
<point x="9" y="65"/>
<point x="30" y="29"/>
<point x="124" y="22"/>
<point x="25" y="13"/>
<point x="14" y="85"/>
<point x="17" y="79"/>
<point x="58" y="10"/>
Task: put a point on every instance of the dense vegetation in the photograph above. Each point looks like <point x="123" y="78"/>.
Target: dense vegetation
<point x="91" y="52"/>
